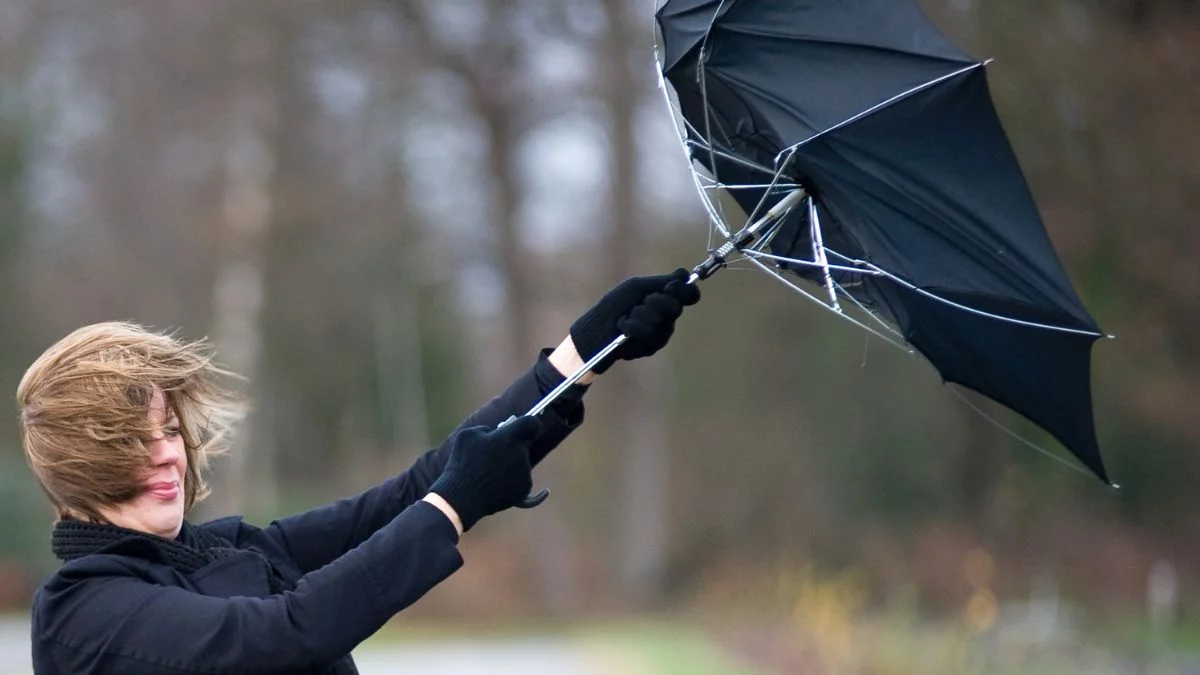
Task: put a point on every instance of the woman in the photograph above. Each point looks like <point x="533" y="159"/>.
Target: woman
<point x="118" y="424"/>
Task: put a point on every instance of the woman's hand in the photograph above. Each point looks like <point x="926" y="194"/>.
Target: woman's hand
<point x="643" y="308"/>
<point x="488" y="470"/>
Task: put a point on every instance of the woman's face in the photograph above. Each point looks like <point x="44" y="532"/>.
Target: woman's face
<point x="159" y="508"/>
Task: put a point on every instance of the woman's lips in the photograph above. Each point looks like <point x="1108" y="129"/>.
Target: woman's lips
<point x="164" y="490"/>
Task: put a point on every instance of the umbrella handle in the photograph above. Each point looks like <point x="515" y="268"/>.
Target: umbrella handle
<point x="536" y="499"/>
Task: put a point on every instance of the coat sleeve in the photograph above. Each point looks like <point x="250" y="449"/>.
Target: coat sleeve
<point x="122" y="624"/>
<point x="313" y="538"/>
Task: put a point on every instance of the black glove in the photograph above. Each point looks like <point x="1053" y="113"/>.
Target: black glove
<point x="643" y="308"/>
<point x="488" y="470"/>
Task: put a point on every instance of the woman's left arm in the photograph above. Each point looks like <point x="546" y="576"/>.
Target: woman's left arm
<point x="644" y="309"/>
<point x="314" y="538"/>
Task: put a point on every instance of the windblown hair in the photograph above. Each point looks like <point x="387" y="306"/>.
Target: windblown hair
<point x="84" y="414"/>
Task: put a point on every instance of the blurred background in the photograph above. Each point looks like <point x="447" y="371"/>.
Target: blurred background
<point x="380" y="210"/>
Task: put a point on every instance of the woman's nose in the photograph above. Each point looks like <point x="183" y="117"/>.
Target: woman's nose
<point x="163" y="452"/>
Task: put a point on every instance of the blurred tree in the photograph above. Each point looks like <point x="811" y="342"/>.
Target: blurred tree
<point x="488" y="56"/>
<point x="13" y="224"/>
<point x="258" y="47"/>
<point x="637" y="433"/>
<point x="24" y="537"/>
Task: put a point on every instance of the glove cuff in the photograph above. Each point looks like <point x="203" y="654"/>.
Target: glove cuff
<point x="458" y="491"/>
<point x="591" y="335"/>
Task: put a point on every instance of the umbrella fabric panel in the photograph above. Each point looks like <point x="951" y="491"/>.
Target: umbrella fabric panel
<point x="801" y="67"/>
<point x="1043" y="375"/>
<point x="733" y="127"/>
<point x="684" y="23"/>
<point x="885" y="25"/>
<point x="931" y="190"/>
<point x="804" y="88"/>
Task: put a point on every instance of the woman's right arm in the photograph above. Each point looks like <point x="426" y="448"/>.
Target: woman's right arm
<point x="315" y="537"/>
<point x="121" y="624"/>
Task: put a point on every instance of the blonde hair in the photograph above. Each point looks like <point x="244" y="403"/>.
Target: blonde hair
<point x="84" y="413"/>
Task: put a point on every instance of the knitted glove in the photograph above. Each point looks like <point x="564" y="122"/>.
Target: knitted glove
<point x="488" y="470"/>
<point x="643" y="308"/>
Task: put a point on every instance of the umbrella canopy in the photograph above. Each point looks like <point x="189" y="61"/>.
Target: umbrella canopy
<point x="892" y="130"/>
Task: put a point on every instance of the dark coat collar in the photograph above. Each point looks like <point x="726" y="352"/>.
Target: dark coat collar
<point x="193" y="549"/>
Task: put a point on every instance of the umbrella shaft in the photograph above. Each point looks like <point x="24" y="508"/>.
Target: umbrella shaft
<point x="746" y="236"/>
<point x="716" y="259"/>
<point x="574" y="377"/>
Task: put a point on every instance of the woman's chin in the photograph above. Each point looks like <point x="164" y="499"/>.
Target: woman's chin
<point x="168" y="528"/>
<point x="148" y="514"/>
<point x="171" y="522"/>
<point x="162" y="519"/>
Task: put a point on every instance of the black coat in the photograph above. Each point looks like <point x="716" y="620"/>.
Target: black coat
<point x="294" y="597"/>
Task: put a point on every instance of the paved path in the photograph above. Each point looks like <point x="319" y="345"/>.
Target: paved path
<point x="14" y="646"/>
<point x="517" y="656"/>
<point x="478" y="657"/>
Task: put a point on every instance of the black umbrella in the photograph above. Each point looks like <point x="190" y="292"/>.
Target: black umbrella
<point x="918" y="210"/>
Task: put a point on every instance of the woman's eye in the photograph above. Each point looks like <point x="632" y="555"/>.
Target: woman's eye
<point x="171" y="432"/>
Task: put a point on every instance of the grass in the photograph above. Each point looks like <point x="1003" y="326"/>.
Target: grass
<point x="867" y="643"/>
<point x="663" y="648"/>
<point x="637" y="646"/>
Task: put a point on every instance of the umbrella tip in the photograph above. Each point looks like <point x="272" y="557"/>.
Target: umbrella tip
<point x="1115" y="486"/>
<point x="1111" y="337"/>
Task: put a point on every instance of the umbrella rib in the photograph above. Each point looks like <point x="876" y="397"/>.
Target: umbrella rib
<point x="766" y="238"/>
<point x="965" y="308"/>
<point x="731" y="157"/>
<point x="715" y="219"/>
<point x="869" y="312"/>
<point x="752" y="186"/>
<point x="875" y="270"/>
<point x="996" y="423"/>
<point x="756" y="252"/>
<point x="708" y="31"/>
<point x="702" y="75"/>
<point x="788" y="282"/>
<point x="884" y="104"/>
<point x="818" y="247"/>
<point x="681" y="136"/>
<point x="766" y="193"/>
<point x="813" y="263"/>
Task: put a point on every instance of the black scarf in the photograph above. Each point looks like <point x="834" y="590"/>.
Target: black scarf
<point x="194" y="548"/>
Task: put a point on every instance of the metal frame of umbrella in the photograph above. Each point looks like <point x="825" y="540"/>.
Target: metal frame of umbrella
<point x="782" y="188"/>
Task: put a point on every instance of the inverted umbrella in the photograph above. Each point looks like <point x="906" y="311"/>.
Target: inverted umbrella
<point x="913" y="205"/>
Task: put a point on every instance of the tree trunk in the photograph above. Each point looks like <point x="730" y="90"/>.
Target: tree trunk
<point x="977" y="464"/>
<point x="640" y="415"/>
<point x="239" y="283"/>
<point x="549" y="538"/>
